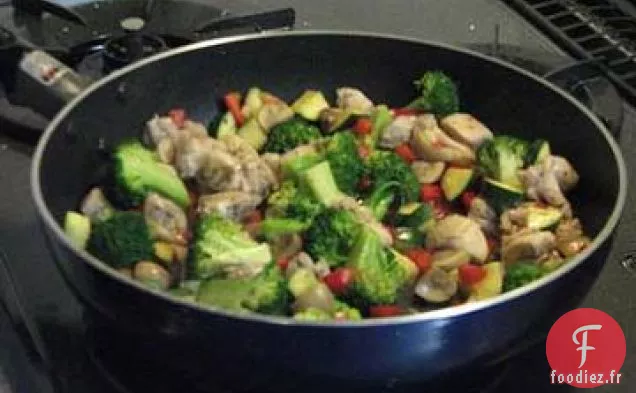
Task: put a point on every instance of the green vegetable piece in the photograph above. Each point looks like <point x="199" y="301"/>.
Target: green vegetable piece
<point x="386" y="166"/>
<point x="520" y="274"/>
<point x="331" y="236"/>
<point x="382" y="197"/>
<point x="253" y="102"/>
<point x="301" y="281"/>
<point x="289" y="202"/>
<point x="380" y="119"/>
<point x="253" y="133"/>
<point x="416" y="215"/>
<point x="501" y="196"/>
<point x="137" y="173"/>
<point x="319" y="179"/>
<point x="407" y="238"/>
<point x="491" y="285"/>
<point x="342" y="312"/>
<point x="537" y="152"/>
<point x="379" y="277"/>
<point x="227" y="126"/>
<point x="501" y="158"/>
<point x="78" y="228"/>
<point x="293" y="168"/>
<point x="543" y="217"/>
<point x="310" y="104"/>
<point x="291" y="134"/>
<point x="335" y="119"/>
<point x="122" y="240"/>
<point x="455" y="181"/>
<point x="274" y="227"/>
<point x="265" y="293"/>
<point x="313" y="314"/>
<point x="221" y="246"/>
<point x="438" y="94"/>
<point x="346" y="164"/>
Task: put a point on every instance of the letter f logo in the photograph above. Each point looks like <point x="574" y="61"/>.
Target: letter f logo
<point x="584" y="347"/>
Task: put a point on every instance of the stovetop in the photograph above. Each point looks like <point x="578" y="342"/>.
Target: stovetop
<point x="461" y="22"/>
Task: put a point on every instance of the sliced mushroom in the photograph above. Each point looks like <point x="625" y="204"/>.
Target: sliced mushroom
<point x="430" y="143"/>
<point x="165" y="220"/>
<point x="459" y="233"/>
<point x="397" y="132"/>
<point x="484" y="215"/>
<point x="152" y="275"/>
<point x="436" y="286"/>
<point x="229" y="204"/>
<point x="450" y="259"/>
<point x="527" y="244"/>
<point x="353" y="100"/>
<point x="466" y="129"/>
<point x="273" y="114"/>
<point x="95" y="206"/>
<point x="428" y="172"/>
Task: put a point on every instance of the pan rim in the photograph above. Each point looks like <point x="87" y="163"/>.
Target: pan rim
<point x="437" y="316"/>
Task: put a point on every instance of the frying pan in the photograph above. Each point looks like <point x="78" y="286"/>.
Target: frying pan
<point x="198" y="344"/>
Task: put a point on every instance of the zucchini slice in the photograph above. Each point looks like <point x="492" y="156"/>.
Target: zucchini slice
<point x="491" y="285"/>
<point x="253" y="134"/>
<point x="227" y="125"/>
<point x="537" y="152"/>
<point x="77" y="227"/>
<point x="310" y="104"/>
<point x="415" y="215"/>
<point x="501" y="196"/>
<point x="455" y="181"/>
<point x="542" y="217"/>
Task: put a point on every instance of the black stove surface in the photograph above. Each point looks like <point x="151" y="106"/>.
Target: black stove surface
<point x="59" y="316"/>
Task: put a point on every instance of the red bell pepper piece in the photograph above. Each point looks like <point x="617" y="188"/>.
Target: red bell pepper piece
<point x="233" y="103"/>
<point x="178" y="117"/>
<point x="383" y="311"/>
<point x="363" y="126"/>
<point x="467" y="199"/>
<point x="405" y="152"/>
<point x="470" y="274"/>
<point x="282" y="263"/>
<point x="430" y="192"/>
<point x="421" y="257"/>
<point x="407" y="112"/>
<point x="339" y="280"/>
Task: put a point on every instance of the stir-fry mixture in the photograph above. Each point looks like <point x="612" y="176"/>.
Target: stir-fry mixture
<point x="336" y="211"/>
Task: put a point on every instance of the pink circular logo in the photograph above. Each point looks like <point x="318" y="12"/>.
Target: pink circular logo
<point x="586" y="348"/>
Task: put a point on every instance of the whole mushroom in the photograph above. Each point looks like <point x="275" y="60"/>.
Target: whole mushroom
<point x="459" y="233"/>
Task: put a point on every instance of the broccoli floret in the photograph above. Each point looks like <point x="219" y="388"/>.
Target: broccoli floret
<point x="122" y="240"/>
<point x="265" y="293"/>
<point x="522" y="273"/>
<point x="331" y="236"/>
<point x="222" y="247"/>
<point x="379" y="278"/>
<point x="342" y="312"/>
<point x="386" y="166"/>
<point x="438" y="94"/>
<point x="382" y="198"/>
<point x="501" y="157"/>
<point x="290" y="134"/>
<point x="346" y="164"/>
<point x="290" y="202"/>
<point x="137" y="172"/>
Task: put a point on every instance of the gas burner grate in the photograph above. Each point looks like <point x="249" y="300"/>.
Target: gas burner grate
<point x="596" y="30"/>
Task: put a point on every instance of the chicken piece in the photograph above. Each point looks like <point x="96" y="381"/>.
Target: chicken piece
<point x="430" y="143"/>
<point x="465" y="129"/>
<point x="542" y="184"/>
<point x="570" y="237"/>
<point x="259" y="178"/>
<point x="484" y="215"/>
<point x="366" y="217"/>
<point x="353" y="100"/>
<point x="158" y="128"/>
<point x="527" y="244"/>
<point x="563" y="171"/>
<point x="166" y="221"/>
<point x="194" y="129"/>
<point x="220" y="171"/>
<point x="459" y="233"/>
<point x="397" y="132"/>
<point x="191" y="154"/>
<point x="238" y="147"/>
<point x="166" y="151"/>
<point x="272" y="114"/>
<point x="230" y="204"/>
